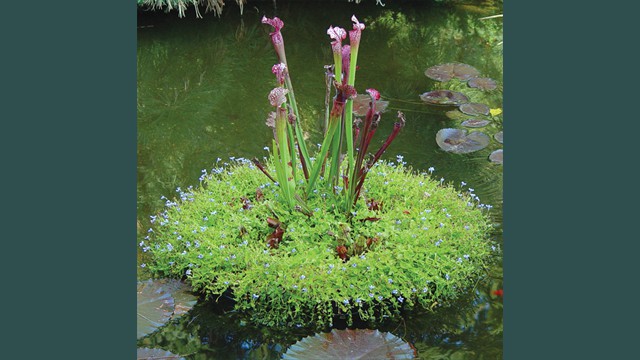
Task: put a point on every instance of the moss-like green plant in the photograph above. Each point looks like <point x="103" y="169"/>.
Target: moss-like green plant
<point x="414" y="242"/>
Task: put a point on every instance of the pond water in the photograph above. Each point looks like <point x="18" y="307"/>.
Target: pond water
<point x="202" y="95"/>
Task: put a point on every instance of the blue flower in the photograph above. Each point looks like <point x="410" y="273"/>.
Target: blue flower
<point x="255" y="296"/>
<point x="143" y="265"/>
<point x="302" y="277"/>
<point x="345" y="301"/>
<point x="304" y="289"/>
<point x="400" y="299"/>
<point x="394" y="291"/>
<point x="188" y="272"/>
<point x="431" y="169"/>
<point x="390" y="281"/>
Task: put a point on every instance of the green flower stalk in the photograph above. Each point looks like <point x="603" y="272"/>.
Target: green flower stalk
<point x="282" y="147"/>
<point x="278" y="44"/>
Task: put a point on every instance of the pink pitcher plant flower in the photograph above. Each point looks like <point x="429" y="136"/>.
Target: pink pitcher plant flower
<point x="279" y="70"/>
<point x="276" y="36"/>
<point x="337" y="34"/>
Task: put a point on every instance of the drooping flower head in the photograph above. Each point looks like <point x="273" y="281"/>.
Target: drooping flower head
<point x="276" y="36"/>
<point x="278" y="96"/>
<point x="337" y="34"/>
<point x="354" y="35"/>
<point x="279" y="70"/>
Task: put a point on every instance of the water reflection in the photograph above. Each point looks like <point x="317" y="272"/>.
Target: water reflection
<point x="202" y="87"/>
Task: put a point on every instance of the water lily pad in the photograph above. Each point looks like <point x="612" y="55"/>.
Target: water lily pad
<point x="351" y="344"/>
<point x="362" y="103"/>
<point x="183" y="298"/>
<point x="155" y="307"/>
<point x="498" y="136"/>
<point x="458" y="142"/>
<point x="444" y="97"/>
<point x="482" y="83"/>
<point x="475" y="123"/>
<point x="156" y="354"/>
<point x="474" y="109"/>
<point x="496" y="156"/>
<point x="456" y="115"/>
<point x="445" y="72"/>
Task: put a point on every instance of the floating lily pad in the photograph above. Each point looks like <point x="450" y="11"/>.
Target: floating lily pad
<point x="483" y="83"/>
<point x="496" y="156"/>
<point x="444" y="97"/>
<point x="445" y="72"/>
<point x="456" y="115"/>
<point x="156" y="354"/>
<point x="474" y="109"/>
<point x="475" y="123"/>
<point x="155" y="307"/>
<point x="498" y="137"/>
<point x="362" y="103"/>
<point x="351" y="344"/>
<point x="184" y="299"/>
<point x="458" y="142"/>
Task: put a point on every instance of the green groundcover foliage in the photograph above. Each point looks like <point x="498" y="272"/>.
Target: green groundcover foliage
<point x="411" y="241"/>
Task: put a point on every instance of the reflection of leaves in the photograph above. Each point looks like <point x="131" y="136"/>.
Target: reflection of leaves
<point x="156" y="354"/>
<point x="351" y="344"/>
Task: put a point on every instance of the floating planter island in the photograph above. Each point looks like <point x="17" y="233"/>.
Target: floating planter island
<point x="300" y="237"/>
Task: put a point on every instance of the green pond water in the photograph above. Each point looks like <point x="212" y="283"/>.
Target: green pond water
<point x="202" y="95"/>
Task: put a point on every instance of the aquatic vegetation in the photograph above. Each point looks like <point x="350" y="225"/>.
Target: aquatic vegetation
<point x="457" y="141"/>
<point x="482" y="83"/>
<point x="474" y="109"/>
<point x="300" y="239"/>
<point x="444" y="97"/>
<point x="448" y="71"/>
<point x="475" y="123"/>
<point x="362" y="104"/>
<point x="498" y="136"/>
<point x="351" y="344"/>
<point x="160" y="301"/>
<point x="496" y="157"/>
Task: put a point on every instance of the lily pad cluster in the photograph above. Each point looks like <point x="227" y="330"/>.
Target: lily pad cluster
<point x="472" y="111"/>
<point x="463" y="72"/>
<point x="160" y="301"/>
<point x="351" y="344"/>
